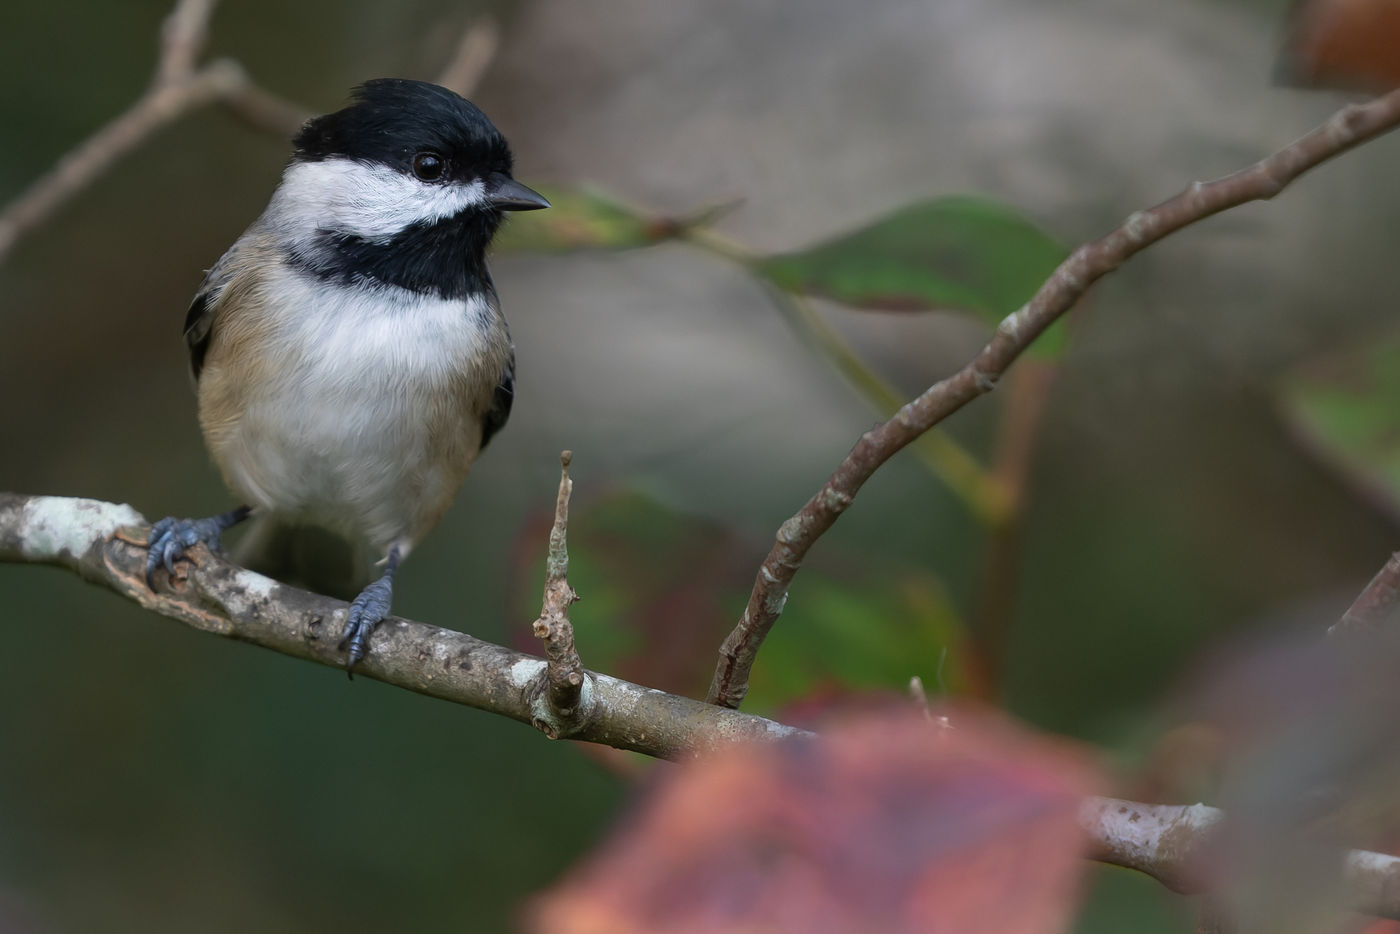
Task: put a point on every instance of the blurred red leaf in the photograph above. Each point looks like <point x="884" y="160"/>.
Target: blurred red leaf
<point x="1379" y="927"/>
<point x="1344" y="43"/>
<point x="891" y="822"/>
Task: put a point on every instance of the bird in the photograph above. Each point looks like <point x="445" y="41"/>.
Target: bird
<point x="348" y="351"/>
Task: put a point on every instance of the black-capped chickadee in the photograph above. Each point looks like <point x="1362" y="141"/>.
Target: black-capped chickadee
<point x="348" y="350"/>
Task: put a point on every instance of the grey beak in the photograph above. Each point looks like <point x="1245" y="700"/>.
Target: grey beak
<point x="506" y="194"/>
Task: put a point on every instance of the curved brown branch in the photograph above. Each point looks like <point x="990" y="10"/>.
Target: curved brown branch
<point x="81" y="535"/>
<point x="1349" y="127"/>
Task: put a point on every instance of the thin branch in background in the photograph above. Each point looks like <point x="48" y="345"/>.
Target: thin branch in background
<point x="77" y="169"/>
<point x="1375" y="605"/>
<point x="999" y="575"/>
<point x="475" y="52"/>
<point x="182" y="38"/>
<point x="175" y="90"/>
<point x="265" y="112"/>
<point x="1349" y="127"/>
<point x="563" y="686"/>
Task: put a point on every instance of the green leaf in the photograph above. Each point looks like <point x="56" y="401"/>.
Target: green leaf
<point x="577" y="219"/>
<point x="864" y="631"/>
<point x="660" y="591"/>
<point x="1346" y="410"/>
<point x="961" y="253"/>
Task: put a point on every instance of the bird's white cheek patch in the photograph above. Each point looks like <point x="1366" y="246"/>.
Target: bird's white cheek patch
<point x="369" y="201"/>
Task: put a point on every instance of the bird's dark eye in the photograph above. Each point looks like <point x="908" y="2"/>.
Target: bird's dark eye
<point x="429" y="166"/>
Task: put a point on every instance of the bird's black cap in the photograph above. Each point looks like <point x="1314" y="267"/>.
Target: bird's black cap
<point x="390" y="120"/>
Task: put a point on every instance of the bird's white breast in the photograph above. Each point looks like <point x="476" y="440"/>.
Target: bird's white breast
<point x="365" y="416"/>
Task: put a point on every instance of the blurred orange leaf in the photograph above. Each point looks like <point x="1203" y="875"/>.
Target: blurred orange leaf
<point x="891" y="822"/>
<point x="1345" y="43"/>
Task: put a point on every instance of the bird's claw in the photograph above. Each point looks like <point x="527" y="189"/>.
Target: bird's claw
<point x="170" y="538"/>
<point x="366" y="611"/>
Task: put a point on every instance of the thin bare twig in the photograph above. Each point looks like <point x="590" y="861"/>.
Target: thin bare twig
<point x="78" y="168"/>
<point x="175" y="90"/>
<point x="1375" y="605"/>
<point x="475" y="52"/>
<point x="562" y="690"/>
<point x="999" y="575"/>
<point x="264" y="111"/>
<point x="1349" y="127"/>
<point x="182" y="38"/>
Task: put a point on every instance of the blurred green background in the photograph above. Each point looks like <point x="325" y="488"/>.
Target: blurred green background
<point x="155" y="779"/>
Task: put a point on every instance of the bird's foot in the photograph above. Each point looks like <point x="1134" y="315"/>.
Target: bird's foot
<point x="171" y="537"/>
<point x="366" y="611"/>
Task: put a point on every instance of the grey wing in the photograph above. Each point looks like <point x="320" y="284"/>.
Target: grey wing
<point x="199" y="320"/>
<point x="501" y="401"/>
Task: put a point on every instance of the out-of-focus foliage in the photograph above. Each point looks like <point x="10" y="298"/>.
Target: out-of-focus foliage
<point x="893" y="822"/>
<point x="577" y="218"/>
<point x="871" y="631"/>
<point x="962" y="253"/>
<point x="966" y="253"/>
<point x="1346" y="409"/>
<point x="1310" y="764"/>
<point x="661" y="589"/>
<point x="1344" y="43"/>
